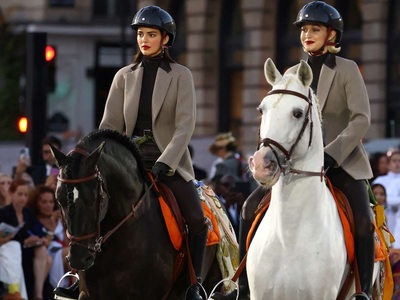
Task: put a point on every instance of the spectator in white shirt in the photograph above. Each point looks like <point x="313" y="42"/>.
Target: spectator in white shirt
<point x="391" y="182"/>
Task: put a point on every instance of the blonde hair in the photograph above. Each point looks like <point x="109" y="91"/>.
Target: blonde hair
<point x="334" y="49"/>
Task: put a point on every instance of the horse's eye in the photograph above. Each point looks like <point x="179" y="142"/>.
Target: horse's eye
<point x="260" y="110"/>
<point x="297" y="113"/>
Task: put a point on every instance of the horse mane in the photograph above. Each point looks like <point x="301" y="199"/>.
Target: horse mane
<point x="316" y="103"/>
<point x="123" y="140"/>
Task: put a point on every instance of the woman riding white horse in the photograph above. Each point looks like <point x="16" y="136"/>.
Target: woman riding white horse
<point x="346" y="116"/>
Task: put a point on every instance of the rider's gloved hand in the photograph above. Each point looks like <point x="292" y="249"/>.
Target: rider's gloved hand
<point x="160" y="168"/>
<point x="329" y="161"/>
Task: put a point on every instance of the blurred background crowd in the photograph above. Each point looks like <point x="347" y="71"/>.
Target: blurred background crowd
<point x="36" y="252"/>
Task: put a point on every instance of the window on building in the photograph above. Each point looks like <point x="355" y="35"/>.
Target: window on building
<point x="61" y="3"/>
<point x="113" y="8"/>
<point x="393" y="73"/>
<point x="231" y="68"/>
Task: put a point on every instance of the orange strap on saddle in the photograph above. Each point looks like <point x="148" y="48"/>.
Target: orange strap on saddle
<point x="174" y="221"/>
<point x="172" y="215"/>
<point x="346" y="217"/>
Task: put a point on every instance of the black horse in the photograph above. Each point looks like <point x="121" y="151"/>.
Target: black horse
<point x="114" y="222"/>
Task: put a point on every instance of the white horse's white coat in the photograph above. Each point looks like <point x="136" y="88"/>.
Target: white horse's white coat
<point x="298" y="251"/>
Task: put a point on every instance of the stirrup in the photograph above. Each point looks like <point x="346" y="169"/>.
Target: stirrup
<point x="362" y="294"/>
<point x="201" y="289"/>
<point x="61" y="293"/>
<point x="222" y="281"/>
<point x="68" y="274"/>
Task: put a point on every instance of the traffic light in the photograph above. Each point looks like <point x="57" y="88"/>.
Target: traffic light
<point x="50" y="57"/>
<point x="36" y="92"/>
<point x="23" y="124"/>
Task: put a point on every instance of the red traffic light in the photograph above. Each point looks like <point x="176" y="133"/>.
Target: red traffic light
<point x="50" y="53"/>
<point x="23" y="124"/>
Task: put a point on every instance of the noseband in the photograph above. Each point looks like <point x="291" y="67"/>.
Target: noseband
<point x="267" y="142"/>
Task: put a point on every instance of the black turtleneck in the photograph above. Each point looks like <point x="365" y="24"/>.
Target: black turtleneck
<point x="316" y="63"/>
<point x="150" y="67"/>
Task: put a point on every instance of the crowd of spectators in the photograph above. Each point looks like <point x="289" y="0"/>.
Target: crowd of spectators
<point x="33" y="259"/>
<point x="33" y="245"/>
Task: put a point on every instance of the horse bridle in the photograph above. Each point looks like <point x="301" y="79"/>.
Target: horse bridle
<point x="99" y="240"/>
<point x="286" y="167"/>
<point x="77" y="240"/>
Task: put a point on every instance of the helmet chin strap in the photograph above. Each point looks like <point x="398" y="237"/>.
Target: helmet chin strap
<point x="327" y="43"/>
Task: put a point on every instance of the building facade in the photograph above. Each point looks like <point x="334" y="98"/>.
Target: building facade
<point x="225" y="44"/>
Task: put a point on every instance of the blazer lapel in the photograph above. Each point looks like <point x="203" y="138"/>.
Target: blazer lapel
<point x="133" y="86"/>
<point x="324" y="84"/>
<point x="163" y="80"/>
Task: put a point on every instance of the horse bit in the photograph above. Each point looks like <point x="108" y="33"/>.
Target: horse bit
<point x="286" y="167"/>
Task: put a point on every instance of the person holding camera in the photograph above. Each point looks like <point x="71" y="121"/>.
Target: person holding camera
<point x="45" y="172"/>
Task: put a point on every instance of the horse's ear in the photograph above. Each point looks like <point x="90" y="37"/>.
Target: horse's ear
<point x="271" y="72"/>
<point x="304" y="73"/>
<point x="58" y="156"/>
<point x="93" y="158"/>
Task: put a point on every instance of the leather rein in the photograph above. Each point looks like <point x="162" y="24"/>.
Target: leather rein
<point x="103" y="193"/>
<point x="285" y="166"/>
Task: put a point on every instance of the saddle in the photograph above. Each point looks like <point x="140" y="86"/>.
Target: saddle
<point x="220" y="230"/>
<point x="174" y="220"/>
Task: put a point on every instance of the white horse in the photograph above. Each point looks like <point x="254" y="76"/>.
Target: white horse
<point x="298" y="251"/>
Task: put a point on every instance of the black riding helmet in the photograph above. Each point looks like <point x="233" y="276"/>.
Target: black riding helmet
<point x="154" y="16"/>
<point x="321" y="12"/>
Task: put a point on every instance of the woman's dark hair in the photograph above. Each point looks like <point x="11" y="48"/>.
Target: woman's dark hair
<point x="374" y="162"/>
<point x="378" y="185"/>
<point x="16" y="183"/>
<point x="34" y="197"/>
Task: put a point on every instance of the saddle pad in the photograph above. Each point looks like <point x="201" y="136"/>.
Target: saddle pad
<point x="176" y="235"/>
<point x="341" y="202"/>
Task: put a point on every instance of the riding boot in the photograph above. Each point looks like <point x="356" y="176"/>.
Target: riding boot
<point x="365" y="254"/>
<point x="244" y="229"/>
<point x="197" y="246"/>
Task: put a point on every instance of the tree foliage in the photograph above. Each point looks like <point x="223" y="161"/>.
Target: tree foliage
<point x="11" y="69"/>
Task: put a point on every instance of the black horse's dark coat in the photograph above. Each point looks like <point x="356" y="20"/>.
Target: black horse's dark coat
<point x="136" y="262"/>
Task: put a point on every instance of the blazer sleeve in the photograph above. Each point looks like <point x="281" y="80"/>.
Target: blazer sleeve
<point x="359" y="115"/>
<point x="113" y="117"/>
<point x="185" y="120"/>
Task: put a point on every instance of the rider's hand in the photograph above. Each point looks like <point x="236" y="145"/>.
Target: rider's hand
<point x="329" y="161"/>
<point x="160" y="168"/>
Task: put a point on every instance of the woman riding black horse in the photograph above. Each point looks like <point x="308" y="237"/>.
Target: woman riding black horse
<point x="153" y="101"/>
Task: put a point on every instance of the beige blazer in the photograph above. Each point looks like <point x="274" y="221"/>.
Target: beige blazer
<point x="346" y="114"/>
<point x="173" y="111"/>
